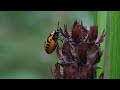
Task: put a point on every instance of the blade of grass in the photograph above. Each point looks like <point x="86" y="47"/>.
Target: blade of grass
<point x="118" y="45"/>
<point x="100" y="20"/>
<point x="114" y="45"/>
<point x="107" y="47"/>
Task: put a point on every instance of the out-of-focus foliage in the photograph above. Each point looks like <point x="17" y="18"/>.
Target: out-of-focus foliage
<point x="100" y="20"/>
<point x="114" y="45"/>
<point x="111" y="58"/>
<point x="22" y="37"/>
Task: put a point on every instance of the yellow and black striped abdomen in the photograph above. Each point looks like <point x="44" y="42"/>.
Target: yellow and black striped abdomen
<point x="50" y="45"/>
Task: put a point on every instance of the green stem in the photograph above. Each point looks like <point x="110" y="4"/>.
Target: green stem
<point x="114" y="45"/>
<point x="100" y="20"/>
<point x="107" y="47"/>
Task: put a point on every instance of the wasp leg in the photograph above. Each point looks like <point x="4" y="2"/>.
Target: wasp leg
<point x="61" y="39"/>
<point x="58" y="47"/>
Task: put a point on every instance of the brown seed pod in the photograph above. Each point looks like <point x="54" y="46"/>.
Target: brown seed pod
<point x="57" y="73"/>
<point x="76" y="32"/>
<point x="93" y="33"/>
<point x="70" y="72"/>
<point x="101" y="38"/>
<point x="80" y="53"/>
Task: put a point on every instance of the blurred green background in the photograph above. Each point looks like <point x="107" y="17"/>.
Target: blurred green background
<point x="22" y="37"/>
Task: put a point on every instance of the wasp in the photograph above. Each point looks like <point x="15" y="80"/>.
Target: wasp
<point x="52" y="40"/>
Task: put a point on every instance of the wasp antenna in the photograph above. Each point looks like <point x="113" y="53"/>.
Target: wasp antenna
<point x="66" y="26"/>
<point x="60" y="28"/>
<point x="58" y="24"/>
